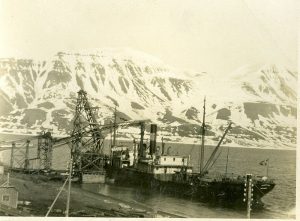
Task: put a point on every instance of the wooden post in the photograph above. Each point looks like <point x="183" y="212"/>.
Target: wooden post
<point x="69" y="187"/>
<point x="249" y="194"/>
<point x="54" y="201"/>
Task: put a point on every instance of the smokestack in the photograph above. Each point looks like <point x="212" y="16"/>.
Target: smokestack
<point x="162" y="146"/>
<point x="153" y="131"/>
<point x="141" y="146"/>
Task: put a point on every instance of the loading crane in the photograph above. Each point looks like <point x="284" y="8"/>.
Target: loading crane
<point x="87" y="138"/>
<point x="85" y="142"/>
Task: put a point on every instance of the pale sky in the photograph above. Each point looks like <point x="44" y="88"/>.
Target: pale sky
<point x="199" y="35"/>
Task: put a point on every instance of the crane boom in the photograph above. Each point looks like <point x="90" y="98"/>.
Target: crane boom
<point x="211" y="158"/>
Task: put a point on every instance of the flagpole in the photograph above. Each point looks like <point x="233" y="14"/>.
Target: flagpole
<point x="268" y="167"/>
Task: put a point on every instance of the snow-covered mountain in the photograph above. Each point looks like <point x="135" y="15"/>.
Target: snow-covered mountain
<point x="260" y="101"/>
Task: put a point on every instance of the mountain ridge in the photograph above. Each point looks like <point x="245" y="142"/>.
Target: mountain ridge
<point x="141" y="86"/>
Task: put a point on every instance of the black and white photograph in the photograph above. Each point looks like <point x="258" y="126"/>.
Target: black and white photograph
<point x="148" y="109"/>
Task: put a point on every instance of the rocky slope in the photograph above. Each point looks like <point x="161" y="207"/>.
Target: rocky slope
<point x="260" y="101"/>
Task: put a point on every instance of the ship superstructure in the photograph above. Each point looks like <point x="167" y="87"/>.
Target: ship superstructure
<point x="153" y="167"/>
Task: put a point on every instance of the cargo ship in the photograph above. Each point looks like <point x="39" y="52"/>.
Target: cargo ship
<point x="154" y="168"/>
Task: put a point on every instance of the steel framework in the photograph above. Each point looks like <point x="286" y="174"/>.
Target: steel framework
<point x="87" y="142"/>
<point x="45" y="151"/>
<point x="19" y="157"/>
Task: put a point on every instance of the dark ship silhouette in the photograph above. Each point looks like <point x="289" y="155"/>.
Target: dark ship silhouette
<point x="151" y="168"/>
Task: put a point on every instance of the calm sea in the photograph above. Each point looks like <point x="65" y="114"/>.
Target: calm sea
<point x="279" y="203"/>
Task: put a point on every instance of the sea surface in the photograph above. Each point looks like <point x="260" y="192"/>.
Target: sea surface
<point x="279" y="203"/>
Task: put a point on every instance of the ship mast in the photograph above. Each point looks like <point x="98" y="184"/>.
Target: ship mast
<point x="202" y="144"/>
<point x="210" y="161"/>
<point x="115" y="126"/>
<point x="227" y="161"/>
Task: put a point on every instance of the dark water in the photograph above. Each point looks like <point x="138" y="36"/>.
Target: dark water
<point x="279" y="203"/>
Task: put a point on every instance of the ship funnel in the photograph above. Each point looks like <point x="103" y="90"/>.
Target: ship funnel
<point x="153" y="131"/>
<point x="141" y="152"/>
<point x="162" y="146"/>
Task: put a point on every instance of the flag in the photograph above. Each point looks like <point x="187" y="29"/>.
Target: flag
<point x="264" y="162"/>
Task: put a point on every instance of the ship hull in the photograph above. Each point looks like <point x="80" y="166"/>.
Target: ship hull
<point x="218" y="192"/>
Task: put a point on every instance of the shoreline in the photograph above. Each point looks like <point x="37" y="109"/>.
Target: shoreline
<point x="171" y="142"/>
<point x="41" y="192"/>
